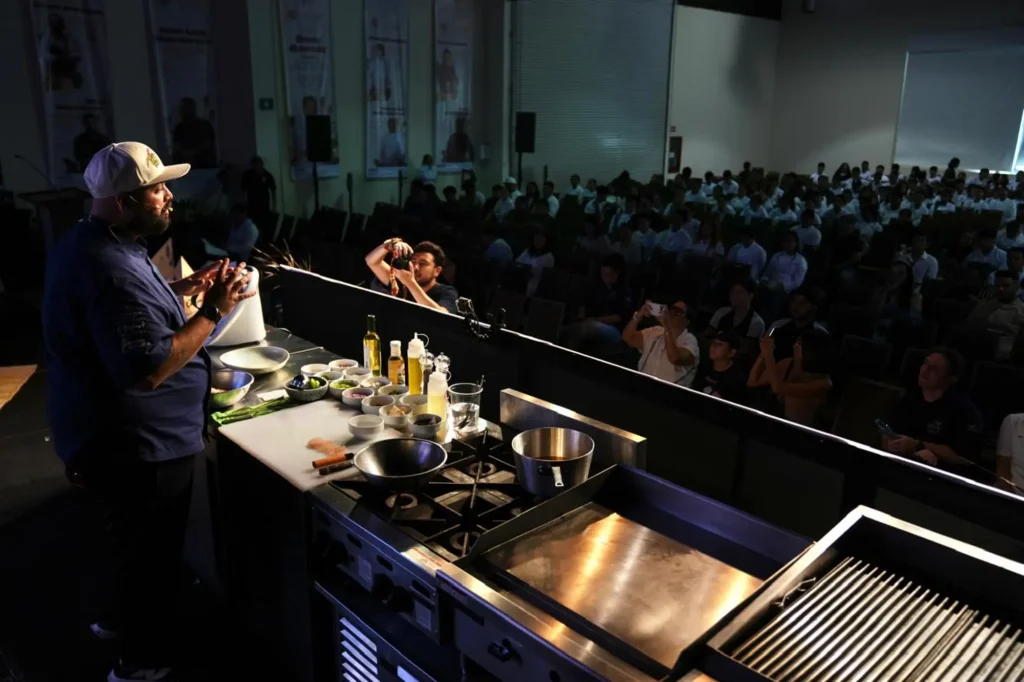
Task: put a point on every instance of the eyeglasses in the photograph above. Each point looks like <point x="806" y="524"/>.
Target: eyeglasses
<point x="676" y="311"/>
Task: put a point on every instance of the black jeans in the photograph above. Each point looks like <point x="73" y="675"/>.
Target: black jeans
<point x="146" y="508"/>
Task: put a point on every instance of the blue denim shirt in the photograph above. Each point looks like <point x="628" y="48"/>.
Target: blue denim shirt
<point x="108" y="320"/>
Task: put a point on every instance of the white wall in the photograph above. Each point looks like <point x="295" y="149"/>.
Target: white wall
<point x="840" y="73"/>
<point x="722" y="87"/>
<point x="272" y="134"/>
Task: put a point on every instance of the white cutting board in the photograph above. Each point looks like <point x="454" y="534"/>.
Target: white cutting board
<point x="279" y="439"/>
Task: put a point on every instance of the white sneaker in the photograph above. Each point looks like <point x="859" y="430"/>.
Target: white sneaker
<point x="122" y="673"/>
<point x="103" y="631"/>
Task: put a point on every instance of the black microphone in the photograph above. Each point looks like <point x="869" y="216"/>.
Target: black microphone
<point x="40" y="173"/>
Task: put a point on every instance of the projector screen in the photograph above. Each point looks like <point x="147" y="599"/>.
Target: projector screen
<point x="966" y="103"/>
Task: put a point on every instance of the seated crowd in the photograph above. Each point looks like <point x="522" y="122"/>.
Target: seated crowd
<point x="749" y="287"/>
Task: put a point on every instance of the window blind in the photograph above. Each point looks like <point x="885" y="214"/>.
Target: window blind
<point x="596" y="73"/>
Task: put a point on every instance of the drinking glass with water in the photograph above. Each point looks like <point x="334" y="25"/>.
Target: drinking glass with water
<point x="465" y="402"/>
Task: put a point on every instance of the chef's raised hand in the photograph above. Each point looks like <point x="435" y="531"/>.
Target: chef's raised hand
<point x="199" y="282"/>
<point x="228" y="287"/>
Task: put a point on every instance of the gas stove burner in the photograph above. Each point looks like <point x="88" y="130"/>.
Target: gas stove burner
<point x="403" y="501"/>
<point x="481" y="469"/>
<point x="461" y="541"/>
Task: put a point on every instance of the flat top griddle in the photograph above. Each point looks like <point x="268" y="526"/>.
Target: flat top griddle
<point x="653" y="592"/>
<point x="642" y="568"/>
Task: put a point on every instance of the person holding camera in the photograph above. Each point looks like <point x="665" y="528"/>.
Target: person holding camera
<point x="669" y="351"/>
<point x="413" y="273"/>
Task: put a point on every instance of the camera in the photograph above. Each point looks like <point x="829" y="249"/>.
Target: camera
<point x="400" y="263"/>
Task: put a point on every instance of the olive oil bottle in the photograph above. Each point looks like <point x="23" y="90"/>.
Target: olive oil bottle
<point x="371" y="346"/>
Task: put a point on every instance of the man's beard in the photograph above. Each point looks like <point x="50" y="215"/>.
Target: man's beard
<point x="148" y="224"/>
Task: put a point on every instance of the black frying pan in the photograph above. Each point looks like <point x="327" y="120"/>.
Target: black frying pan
<point x="400" y="463"/>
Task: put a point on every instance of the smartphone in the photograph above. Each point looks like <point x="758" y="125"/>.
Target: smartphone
<point x="885" y="429"/>
<point x="657" y="309"/>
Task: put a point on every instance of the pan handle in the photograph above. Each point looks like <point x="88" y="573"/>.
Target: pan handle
<point x="557" y="471"/>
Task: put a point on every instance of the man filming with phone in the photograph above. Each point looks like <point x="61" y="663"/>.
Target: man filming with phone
<point x="412" y="273"/>
<point x="669" y="351"/>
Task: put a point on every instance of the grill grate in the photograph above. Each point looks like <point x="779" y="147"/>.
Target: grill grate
<point x="861" y="623"/>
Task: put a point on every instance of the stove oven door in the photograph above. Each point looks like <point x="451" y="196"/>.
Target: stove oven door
<point x="363" y="638"/>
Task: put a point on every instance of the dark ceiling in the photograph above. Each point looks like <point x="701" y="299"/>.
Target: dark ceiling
<point x="766" y="9"/>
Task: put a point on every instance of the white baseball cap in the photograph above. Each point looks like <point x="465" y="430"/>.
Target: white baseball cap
<point x="511" y="181"/>
<point x="125" y="167"/>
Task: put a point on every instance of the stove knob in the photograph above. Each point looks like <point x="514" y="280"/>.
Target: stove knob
<point x="400" y="600"/>
<point x="382" y="588"/>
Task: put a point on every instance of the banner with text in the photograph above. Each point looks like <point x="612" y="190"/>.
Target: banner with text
<point x="453" y="86"/>
<point x="309" y="80"/>
<point x="71" y="44"/>
<point x="387" y="87"/>
<point x="182" y="39"/>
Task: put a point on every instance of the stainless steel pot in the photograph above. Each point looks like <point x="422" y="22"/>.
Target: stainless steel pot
<point x="549" y="460"/>
<point x="400" y="463"/>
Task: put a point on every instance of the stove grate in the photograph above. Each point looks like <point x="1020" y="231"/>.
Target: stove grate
<point x="861" y="623"/>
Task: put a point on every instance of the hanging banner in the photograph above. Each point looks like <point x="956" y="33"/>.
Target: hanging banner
<point x="453" y="84"/>
<point x="71" y="43"/>
<point x="387" y="83"/>
<point x="309" y="80"/>
<point x="181" y="36"/>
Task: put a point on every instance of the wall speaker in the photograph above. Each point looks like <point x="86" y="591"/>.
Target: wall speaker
<point x="526" y="130"/>
<point x="318" y="138"/>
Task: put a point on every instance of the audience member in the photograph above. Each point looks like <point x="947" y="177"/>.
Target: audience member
<point x="719" y="374"/>
<point x="739" y="316"/>
<point x="503" y="204"/>
<point x="668" y="351"/>
<point x="898" y="299"/>
<point x="786" y="269"/>
<point x="575" y="188"/>
<point x="512" y="185"/>
<point x="748" y="252"/>
<point x="605" y="311"/>
<point x="496" y="249"/>
<point x="801" y="324"/>
<point x="260" y="189"/>
<point x="593" y="242"/>
<point x="550" y="198"/>
<point x="1010" y="237"/>
<point x="709" y="242"/>
<point x="756" y="210"/>
<point x="800" y="382"/>
<point x="1010" y="452"/>
<point x="848" y="247"/>
<point x="1002" y="315"/>
<point x="987" y="252"/>
<point x="427" y="172"/>
<point x="243" y="235"/>
<point x="644" y="235"/>
<point x="806" y="233"/>
<point x="532" y="194"/>
<point x="676" y="239"/>
<point x="626" y="246"/>
<point x="783" y="213"/>
<point x="537" y="256"/>
<point x="931" y="422"/>
<point x="418" y="280"/>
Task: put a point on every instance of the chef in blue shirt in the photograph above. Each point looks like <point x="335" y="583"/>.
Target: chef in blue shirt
<point x="128" y="386"/>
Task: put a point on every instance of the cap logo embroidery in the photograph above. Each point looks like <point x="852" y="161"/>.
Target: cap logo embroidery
<point x="152" y="159"/>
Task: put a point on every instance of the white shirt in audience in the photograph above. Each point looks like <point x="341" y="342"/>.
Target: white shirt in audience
<point x="647" y="240"/>
<point x="753" y="255"/>
<point x="1007" y="206"/>
<point x="779" y="216"/>
<point x="695" y="198"/>
<point x="807" y="236"/>
<point x="996" y="258"/>
<point x="620" y="219"/>
<point x="729" y="187"/>
<point x="632" y="252"/>
<point x="673" y="241"/>
<point x="888" y="214"/>
<point x="785" y="271"/>
<point x="536" y="265"/>
<point x="750" y="214"/>
<point x="579" y="191"/>
<point x="1006" y="243"/>
<point x="726" y="211"/>
<point x="739" y="203"/>
<point x="941" y="206"/>
<point x="815" y="176"/>
<point x="552" y="206"/>
<point x="868" y="229"/>
<point x="708" y="188"/>
<point x="1011" y="446"/>
<point x="593" y="208"/>
<point x="502" y="208"/>
<point x="925" y="267"/>
<point x="703" y="248"/>
<point x="654" y="360"/>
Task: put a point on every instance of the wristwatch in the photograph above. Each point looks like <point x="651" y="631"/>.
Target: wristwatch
<point x="211" y="312"/>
